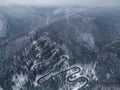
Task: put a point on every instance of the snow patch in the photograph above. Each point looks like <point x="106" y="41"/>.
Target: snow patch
<point x="77" y="86"/>
<point x="88" y="38"/>
<point x="1" y="88"/>
<point x="57" y="11"/>
<point x="19" y="80"/>
<point x="89" y="71"/>
<point x="2" y="26"/>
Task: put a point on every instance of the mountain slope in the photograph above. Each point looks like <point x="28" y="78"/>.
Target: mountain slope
<point x="73" y="52"/>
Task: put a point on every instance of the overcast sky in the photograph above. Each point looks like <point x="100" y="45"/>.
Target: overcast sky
<point x="99" y="3"/>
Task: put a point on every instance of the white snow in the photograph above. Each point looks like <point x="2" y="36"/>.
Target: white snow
<point x="89" y="71"/>
<point x="57" y="11"/>
<point x="88" y="38"/>
<point x="2" y="26"/>
<point x="19" y="80"/>
<point x="1" y="29"/>
<point x="77" y="86"/>
<point x="108" y="75"/>
<point x="1" y="88"/>
<point x="47" y="20"/>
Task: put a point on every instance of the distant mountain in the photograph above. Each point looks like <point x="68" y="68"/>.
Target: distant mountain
<point x="17" y="20"/>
